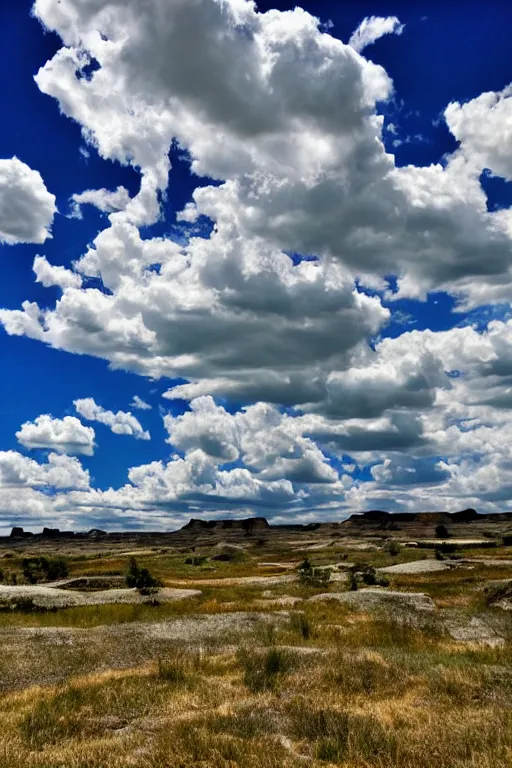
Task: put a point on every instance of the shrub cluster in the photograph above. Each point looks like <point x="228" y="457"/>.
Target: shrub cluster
<point x="313" y="576"/>
<point x="44" y="569"/>
<point x="367" y="575"/>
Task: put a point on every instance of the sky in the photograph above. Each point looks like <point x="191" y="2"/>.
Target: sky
<point x="254" y="260"/>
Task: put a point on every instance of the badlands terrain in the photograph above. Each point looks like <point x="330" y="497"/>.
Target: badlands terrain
<point x="383" y="641"/>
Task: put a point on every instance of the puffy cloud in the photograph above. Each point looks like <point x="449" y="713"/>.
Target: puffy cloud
<point x="103" y="199"/>
<point x="49" y="275"/>
<point x="372" y="28"/>
<point x="120" y="423"/>
<point x="484" y="128"/>
<point x="287" y="325"/>
<point x="26" y="207"/>
<point x="140" y="404"/>
<point x="268" y="443"/>
<point x="305" y="170"/>
<point x="67" y="435"/>
<point x="60" y="472"/>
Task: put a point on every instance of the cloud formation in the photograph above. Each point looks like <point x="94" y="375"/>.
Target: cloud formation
<point x="103" y="199"/>
<point x="67" y="435"/>
<point x="120" y="423"/>
<point x="140" y="404"/>
<point x="26" y="207"/>
<point x="372" y="28"/>
<point x="274" y="299"/>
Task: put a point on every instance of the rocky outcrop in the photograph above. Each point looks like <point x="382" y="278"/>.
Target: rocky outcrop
<point x="249" y="525"/>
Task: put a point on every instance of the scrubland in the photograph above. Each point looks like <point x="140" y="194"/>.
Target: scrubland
<point x="241" y="676"/>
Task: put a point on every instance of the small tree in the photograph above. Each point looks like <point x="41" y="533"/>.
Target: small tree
<point x="140" y="578"/>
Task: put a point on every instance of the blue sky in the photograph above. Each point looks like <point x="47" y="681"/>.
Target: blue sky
<point x="376" y="372"/>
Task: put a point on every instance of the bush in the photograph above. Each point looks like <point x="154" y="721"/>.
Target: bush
<point x="367" y="575"/>
<point x="442" y="532"/>
<point x="392" y="547"/>
<point x="44" y="569"/>
<point x="27" y="605"/>
<point x="140" y="578"/>
<point x="313" y="577"/>
<point x="496" y="592"/>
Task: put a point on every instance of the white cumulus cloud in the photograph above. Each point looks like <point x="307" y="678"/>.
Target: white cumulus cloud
<point x="120" y="423"/>
<point x="67" y="435"/>
<point x="104" y="200"/>
<point x="26" y="207"/>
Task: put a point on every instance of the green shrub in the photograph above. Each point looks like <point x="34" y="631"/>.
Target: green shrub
<point x="37" y="569"/>
<point x="392" y="547"/>
<point x="442" y="532"/>
<point x="367" y="575"/>
<point x="313" y="577"/>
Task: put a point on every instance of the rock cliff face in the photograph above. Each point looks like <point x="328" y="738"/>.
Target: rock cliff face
<point x="249" y="525"/>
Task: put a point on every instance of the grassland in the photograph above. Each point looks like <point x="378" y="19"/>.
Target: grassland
<point x="237" y="677"/>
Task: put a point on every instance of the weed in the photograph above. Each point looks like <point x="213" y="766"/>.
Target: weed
<point x="301" y="624"/>
<point x="263" y="671"/>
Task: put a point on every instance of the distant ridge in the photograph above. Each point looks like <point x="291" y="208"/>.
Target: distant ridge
<point x="464" y="516"/>
<point x="371" y="519"/>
